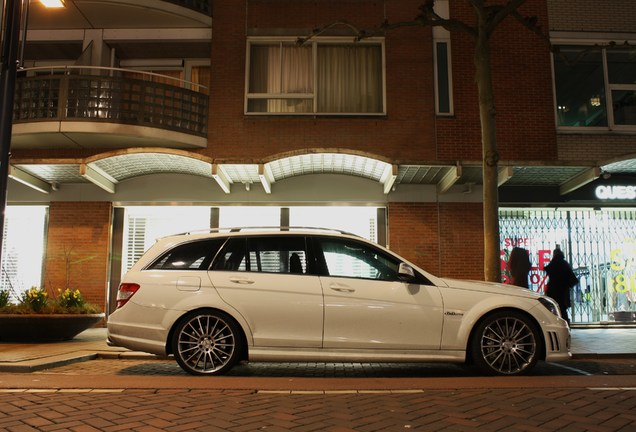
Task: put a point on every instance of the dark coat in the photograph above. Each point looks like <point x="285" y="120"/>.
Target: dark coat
<point x="519" y="266"/>
<point x="561" y="280"/>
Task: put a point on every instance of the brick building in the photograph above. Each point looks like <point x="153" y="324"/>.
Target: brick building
<point x="126" y="109"/>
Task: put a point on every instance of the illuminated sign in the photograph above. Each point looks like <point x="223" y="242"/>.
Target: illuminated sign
<point x="616" y="192"/>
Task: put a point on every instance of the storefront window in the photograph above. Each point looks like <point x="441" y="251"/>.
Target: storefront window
<point x="23" y="248"/>
<point x="361" y="221"/>
<point x="144" y="224"/>
<point x="599" y="244"/>
<point x="249" y="216"/>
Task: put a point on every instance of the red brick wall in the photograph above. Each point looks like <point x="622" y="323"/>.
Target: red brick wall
<point x="81" y="232"/>
<point x="413" y="233"/>
<point x="410" y="132"/>
<point x="522" y="80"/>
<point x="521" y="73"/>
<point x="608" y="16"/>
<point x="445" y="239"/>
<point x="461" y="240"/>
<point x="406" y="133"/>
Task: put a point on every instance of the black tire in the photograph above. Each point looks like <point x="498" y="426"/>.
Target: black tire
<point x="505" y="343"/>
<point x="207" y="343"/>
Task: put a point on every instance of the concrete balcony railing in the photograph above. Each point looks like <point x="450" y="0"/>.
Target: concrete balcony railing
<point x="110" y="95"/>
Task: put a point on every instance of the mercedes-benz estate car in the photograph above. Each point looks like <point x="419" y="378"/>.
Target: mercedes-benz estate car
<point x="218" y="298"/>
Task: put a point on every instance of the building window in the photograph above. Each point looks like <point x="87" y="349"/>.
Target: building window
<point x="321" y="77"/>
<point x="595" y="87"/>
<point x="443" y="90"/>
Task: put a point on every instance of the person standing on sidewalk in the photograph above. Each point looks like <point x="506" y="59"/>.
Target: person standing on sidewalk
<point x="519" y="266"/>
<point x="561" y="280"/>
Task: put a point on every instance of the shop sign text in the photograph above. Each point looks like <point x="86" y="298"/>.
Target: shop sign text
<point x="616" y="192"/>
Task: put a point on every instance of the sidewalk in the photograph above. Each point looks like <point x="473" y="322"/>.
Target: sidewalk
<point x="91" y="344"/>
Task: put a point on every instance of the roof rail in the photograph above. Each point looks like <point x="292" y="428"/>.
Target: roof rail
<point x="273" y="228"/>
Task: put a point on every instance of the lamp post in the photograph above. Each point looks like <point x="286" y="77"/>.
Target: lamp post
<point x="8" y="72"/>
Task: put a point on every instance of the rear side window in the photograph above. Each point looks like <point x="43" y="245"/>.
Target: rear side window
<point x="268" y="254"/>
<point x="195" y="255"/>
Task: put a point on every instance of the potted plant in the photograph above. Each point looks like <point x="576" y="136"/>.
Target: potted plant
<point x="38" y="318"/>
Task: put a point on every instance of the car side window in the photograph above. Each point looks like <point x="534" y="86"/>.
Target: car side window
<point x="195" y="255"/>
<point x="267" y="254"/>
<point x="349" y="258"/>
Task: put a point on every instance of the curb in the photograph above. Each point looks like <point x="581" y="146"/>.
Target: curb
<point x="53" y="362"/>
<point x="597" y="356"/>
<point x="38" y="365"/>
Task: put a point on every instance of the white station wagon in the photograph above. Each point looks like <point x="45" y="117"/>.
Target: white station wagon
<point x="288" y="294"/>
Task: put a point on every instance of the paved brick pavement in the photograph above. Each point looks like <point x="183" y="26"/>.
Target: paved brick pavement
<point x="126" y="392"/>
<point x="427" y="410"/>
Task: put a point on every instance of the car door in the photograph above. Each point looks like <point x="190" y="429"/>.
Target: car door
<point x="367" y="306"/>
<point x="268" y="280"/>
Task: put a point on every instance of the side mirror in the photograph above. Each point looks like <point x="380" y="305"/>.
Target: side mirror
<point x="406" y="272"/>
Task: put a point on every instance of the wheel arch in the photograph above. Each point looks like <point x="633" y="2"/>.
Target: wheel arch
<point x="244" y="344"/>
<point x="529" y="316"/>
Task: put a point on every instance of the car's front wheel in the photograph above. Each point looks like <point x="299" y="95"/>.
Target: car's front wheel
<point x="206" y="343"/>
<point x="505" y="343"/>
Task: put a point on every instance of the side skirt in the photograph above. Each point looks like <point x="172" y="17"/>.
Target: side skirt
<point x="385" y="356"/>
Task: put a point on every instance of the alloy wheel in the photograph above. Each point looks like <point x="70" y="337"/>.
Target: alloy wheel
<point x="206" y="344"/>
<point x="507" y="345"/>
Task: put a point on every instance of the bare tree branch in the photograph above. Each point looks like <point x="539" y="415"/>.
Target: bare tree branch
<point x="499" y="13"/>
<point x="317" y="32"/>
<point x="531" y="24"/>
<point x="428" y="17"/>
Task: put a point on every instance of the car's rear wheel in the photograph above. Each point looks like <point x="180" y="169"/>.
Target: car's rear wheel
<point x="505" y="343"/>
<point x="206" y="343"/>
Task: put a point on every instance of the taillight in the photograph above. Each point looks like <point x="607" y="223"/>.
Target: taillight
<point x="125" y="292"/>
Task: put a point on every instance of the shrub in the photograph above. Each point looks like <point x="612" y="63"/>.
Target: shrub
<point x="4" y="298"/>
<point x="35" y="299"/>
<point x="70" y="299"/>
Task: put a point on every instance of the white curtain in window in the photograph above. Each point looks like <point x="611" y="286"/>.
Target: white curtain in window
<point x="281" y="70"/>
<point x="349" y="78"/>
<point x="296" y="70"/>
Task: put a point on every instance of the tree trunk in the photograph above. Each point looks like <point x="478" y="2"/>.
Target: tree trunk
<point x="490" y="155"/>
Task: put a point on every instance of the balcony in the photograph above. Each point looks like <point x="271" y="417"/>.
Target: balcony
<point x="202" y="6"/>
<point x="122" y="14"/>
<point x="98" y="107"/>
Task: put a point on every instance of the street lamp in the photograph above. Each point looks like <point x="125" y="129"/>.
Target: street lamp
<point x="13" y="11"/>
<point x="8" y="71"/>
<point x="52" y="3"/>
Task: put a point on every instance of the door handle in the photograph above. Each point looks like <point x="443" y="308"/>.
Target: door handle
<point x="340" y="288"/>
<point x="241" y="281"/>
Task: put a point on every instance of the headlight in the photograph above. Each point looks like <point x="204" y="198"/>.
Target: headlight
<point x="550" y="305"/>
